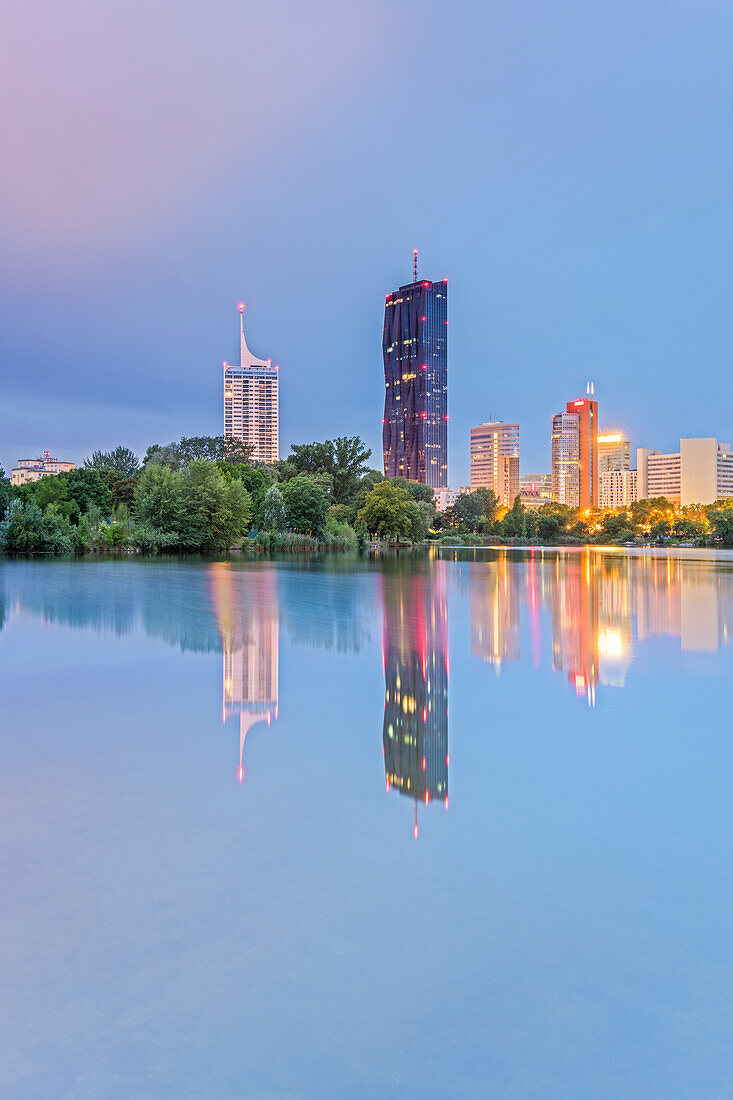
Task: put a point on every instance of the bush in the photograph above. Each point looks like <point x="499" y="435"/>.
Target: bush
<point x="28" y="530"/>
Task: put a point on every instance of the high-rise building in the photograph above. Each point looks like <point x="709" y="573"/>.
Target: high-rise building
<point x="575" y="454"/>
<point x="701" y="472"/>
<point x="495" y="460"/>
<point x="251" y="401"/>
<point x="414" y="347"/>
<point x="614" y="452"/>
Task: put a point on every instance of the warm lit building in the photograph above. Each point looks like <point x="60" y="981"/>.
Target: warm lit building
<point x="614" y="452"/>
<point x="252" y="402"/>
<point x="445" y="498"/>
<point x="33" y="469"/>
<point x="495" y="460"/>
<point x="535" y="490"/>
<point x="701" y="472"/>
<point x="575" y="454"/>
<point x="617" y="488"/>
<point x="414" y="348"/>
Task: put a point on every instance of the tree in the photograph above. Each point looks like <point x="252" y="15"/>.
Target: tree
<point x="512" y="525"/>
<point x="343" y="459"/>
<point x="121" y="460"/>
<point x="660" y="530"/>
<point x="469" y="510"/>
<point x="256" y="480"/>
<point x="159" y="500"/>
<point x="216" y="511"/>
<point x="5" y="493"/>
<point x="211" y="447"/>
<point x="415" y="489"/>
<point x="28" y="530"/>
<point x="388" y="512"/>
<point x="274" y="515"/>
<point x="721" y="522"/>
<point x="86" y="487"/>
<point x="490" y="502"/>
<point x="549" y="526"/>
<point x="306" y="505"/>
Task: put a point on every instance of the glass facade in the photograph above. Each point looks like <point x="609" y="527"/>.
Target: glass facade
<point x="414" y="346"/>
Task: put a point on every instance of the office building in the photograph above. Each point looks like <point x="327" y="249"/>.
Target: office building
<point x="614" y="452"/>
<point x="251" y="401"/>
<point x="33" y="469"/>
<point x="495" y="460"/>
<point x="414" y="346"/>
<point x="535" y="490"/>
<point x="575" y="454"/>
<point x="701" y="472"/>
<point x="617" y="488"/>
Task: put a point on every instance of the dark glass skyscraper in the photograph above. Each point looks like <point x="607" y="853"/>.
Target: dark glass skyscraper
<point x="414" y="344"/>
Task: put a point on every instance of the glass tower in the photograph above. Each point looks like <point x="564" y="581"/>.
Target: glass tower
<point x="414" y="346"/>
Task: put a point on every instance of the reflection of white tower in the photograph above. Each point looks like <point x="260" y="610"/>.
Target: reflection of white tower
<point x="249" y="629"/>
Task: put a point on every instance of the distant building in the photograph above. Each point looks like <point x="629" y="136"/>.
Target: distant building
<point x="252" y="402"/>
<point x="701" y="472"/>
<point x="617" y="488"/>
<point x="33" y="469"/>
<point x="614" y="452"/>
<point x="445" y="498"/>
<point x="495" y="460"/>
<point x="575" y="454"/>
<point x="414" y="348"/>
<point x="535" y="490"/>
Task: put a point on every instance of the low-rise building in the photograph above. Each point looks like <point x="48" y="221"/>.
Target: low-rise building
<point x="701" y="472"/>
<point x="33" y="469"/>
<point x="535" y="490"/>
<point x="445" y="498"/>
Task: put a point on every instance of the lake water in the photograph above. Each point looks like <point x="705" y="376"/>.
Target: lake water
<point x="427" y="826"/>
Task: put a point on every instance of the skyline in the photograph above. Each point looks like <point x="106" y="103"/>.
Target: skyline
<point x="587" y="232"/>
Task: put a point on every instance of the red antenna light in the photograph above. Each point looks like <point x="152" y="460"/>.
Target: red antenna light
<point x="241" y="307"/>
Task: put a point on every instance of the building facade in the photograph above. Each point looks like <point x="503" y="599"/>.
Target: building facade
<point x="495" y="459"/>
<point x="701" y="472"/>
<point x="252" y="401"/>
<point x="33" y="469"/>
<point x="414" y="348"/>
<point x="618" y="488"/>
<point x="614" y="452"/>
<point x="535" y="490"/>
<point x="575" y="454"/>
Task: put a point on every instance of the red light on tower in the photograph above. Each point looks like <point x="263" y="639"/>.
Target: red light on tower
<point x="241" y="307"/>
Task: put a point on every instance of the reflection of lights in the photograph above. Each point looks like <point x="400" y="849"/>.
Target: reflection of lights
<point x="240" y="773"/>
<point x="610" y="643"/>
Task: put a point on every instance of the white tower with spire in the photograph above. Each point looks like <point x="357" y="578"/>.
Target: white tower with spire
<point x="251" y="401"/>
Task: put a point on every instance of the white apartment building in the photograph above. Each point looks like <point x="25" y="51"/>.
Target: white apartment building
<point x="700" y="473"/>
<point x="617" y="488"/>
<point x="251" y="401"/>
<point x="33" y="469"/>
<point x="445" y="498"/>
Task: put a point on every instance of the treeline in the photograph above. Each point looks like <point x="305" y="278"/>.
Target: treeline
<point x="657" y="520"/>
<point x="204" y="494"/>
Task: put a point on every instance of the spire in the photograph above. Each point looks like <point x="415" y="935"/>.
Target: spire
<point x="414" y="265"/>
<point x="242" y="345"/>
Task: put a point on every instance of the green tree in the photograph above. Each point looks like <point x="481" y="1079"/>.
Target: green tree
<point x="160" y="500"/>
<point x="306" y="505"/>
<point x="490" y="503"/>
<point x="121" y="460"/>
<point x="274" y="514"/>
<point x="216" y="511"/>
<point x="86" y="487"/>
<point x="5" y="493"/>
<point x="343" y="459"/>
<point x="512" y="525"/>
<point x="721" y="523"/>
<point x="549" y="526"/>
<point x="469" y="510"/>
<point x="211" y="447"/>
<point x="415" y="489"/>
<point x="28" y="530"/>
<point x="256" y="480"/>
<point x="661" y="529"/>
<point x="388" y="512"/>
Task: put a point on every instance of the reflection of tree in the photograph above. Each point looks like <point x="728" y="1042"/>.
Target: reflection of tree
<point x="329" y="609"/>
<point x="415" y="654"/>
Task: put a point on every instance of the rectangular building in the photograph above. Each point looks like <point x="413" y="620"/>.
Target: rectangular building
<point x="701" y="472"/>
<point x="495" y="459"/>
<point x="535" y="490"/>
<point x="252" y="402"/>
<point x="614" y="452"/>
<point x="414" y="349"/>
<point x="33" y="469"/>
<point x="575" y="454"/>
<point x="617" y="488"/>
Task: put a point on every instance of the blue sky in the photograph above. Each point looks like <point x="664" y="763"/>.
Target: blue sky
<point x="569" y="167"/>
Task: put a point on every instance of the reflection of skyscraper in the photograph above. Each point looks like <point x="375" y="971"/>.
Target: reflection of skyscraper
<point x="415" y="653"/>
<point x="249" y="634"/>
<point x="575" y="622"/>
<point x="495" y="611"/>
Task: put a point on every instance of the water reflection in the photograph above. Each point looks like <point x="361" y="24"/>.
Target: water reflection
<point x="415" y="659"/>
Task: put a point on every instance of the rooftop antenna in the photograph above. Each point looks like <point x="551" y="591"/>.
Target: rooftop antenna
<point x="242" y="345"/>
<point x="414" y="265"/>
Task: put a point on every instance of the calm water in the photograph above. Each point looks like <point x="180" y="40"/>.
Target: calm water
<point x="458" y="826"/>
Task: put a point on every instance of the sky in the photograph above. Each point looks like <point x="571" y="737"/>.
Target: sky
<point x="568" y="166"/>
